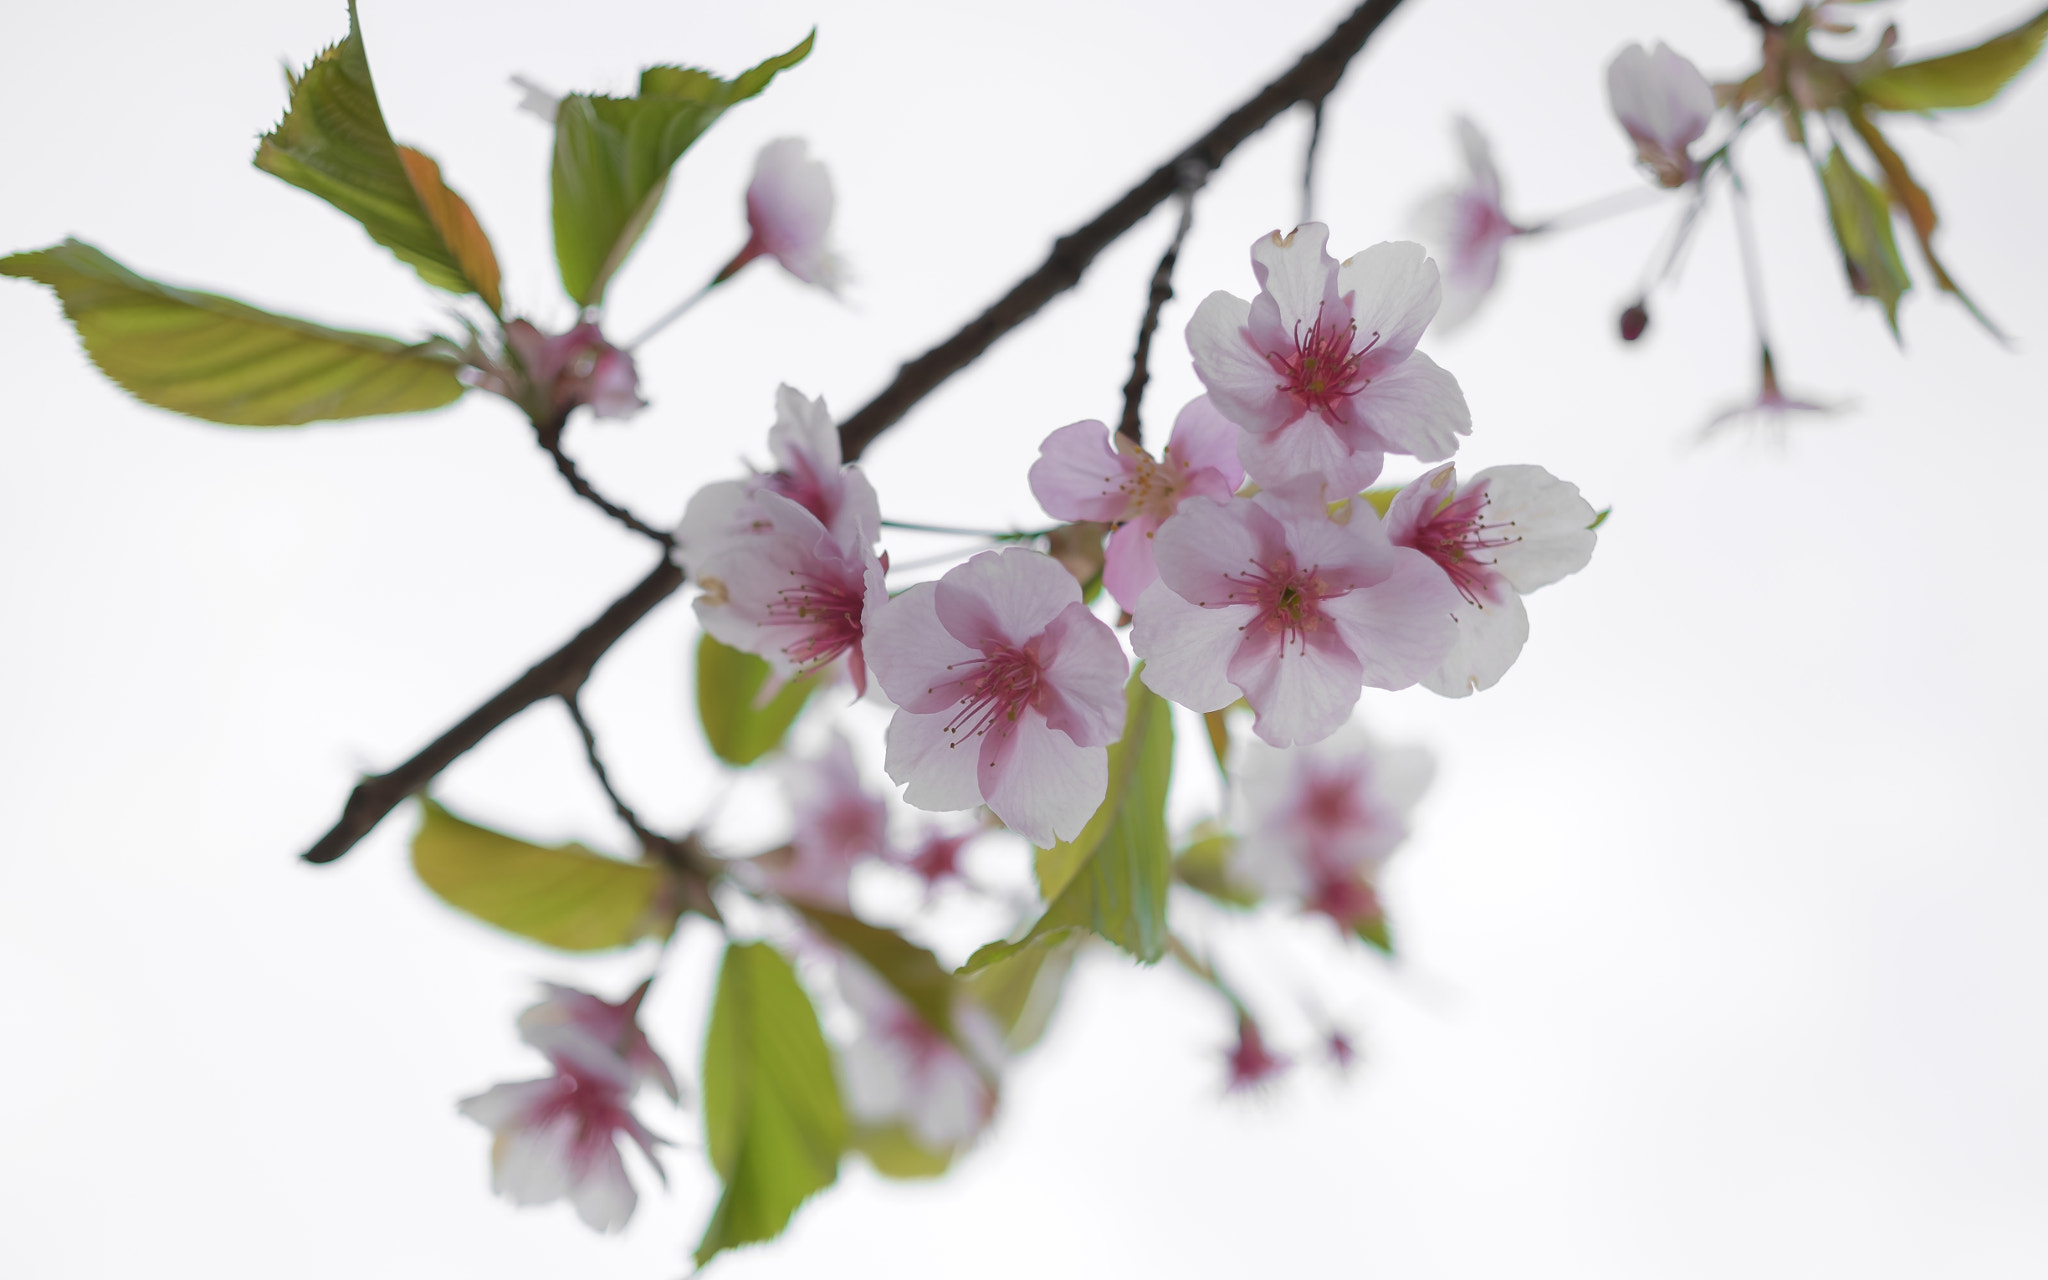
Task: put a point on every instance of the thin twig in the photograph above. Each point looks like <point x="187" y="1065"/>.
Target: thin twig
<point x="1308" y="161"/>
<point x="1311" y="78"/>
<point x="648" y="839"/>
<point x="549" y="436"/>
<point x="1162" y="292"/>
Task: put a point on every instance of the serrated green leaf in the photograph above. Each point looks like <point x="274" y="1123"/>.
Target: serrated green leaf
<point x="1204" y="866"/>
<point x="773" y="1124"/>
<point x="333" y="142"/>
<point x="1023" y="990"/>
<point x="562" y="895"/>
<point x="740" y="727"/>
<point x="225" y="361"/>
<point x="1967" y="78"/>
<point x="912" y="972"/>
<point x="613" y="157"/>
<point x="896" y="1153"/>
<point x="1111" y="880"/>
<point x="1862" y="218"/>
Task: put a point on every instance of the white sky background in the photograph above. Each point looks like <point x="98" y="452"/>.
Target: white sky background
<point x="1722" y="921"/>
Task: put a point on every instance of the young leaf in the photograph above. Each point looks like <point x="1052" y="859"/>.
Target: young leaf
<point x="333" y="143"/>
<point x="1111" y="880"/>
<point x="613" y="156"/>
<point x="1968" y="78"/>
<point x="912" y="972"/>
<point x="1204" y="866"/>
<point x="1862" y="217"/>
<point x="1022" y="990"/>
<point x="773" y="1124"/>
<point x="1217" y="722"/>
<point x="740" y="727"/>
<point x="896" y="1153"/>
<point x="564" y="895"/>
<point x="1918" y="207"/>
<point x="224" y="361"/>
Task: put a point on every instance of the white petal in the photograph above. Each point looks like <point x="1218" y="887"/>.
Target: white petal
<point x="1242" y="386"/>
<point x="1489" y="641"/>
<point x="603" y="1195"/>
<point x="1549" y="521"/>
<point x="1296" y="271"/>
<point x="1396" y="294"/>
<point x="1416" y="408"/>
<point x="1400" y="629"/>
<point x="921" y="755"/>
<point x="1308" y="446"/>
<point x="909" y="651"/>
<point x="1300" y="692"/>
<point x="1042" y="785"/>
<point x="1003" y="597"/>
<point x="1186" y="648"/>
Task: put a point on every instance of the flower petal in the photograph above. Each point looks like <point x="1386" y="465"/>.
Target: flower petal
<point x="1039" y="782"/>
<point x="1202" y="545"/>
<point x="1396" y="292"/>
<point x="1202" y="451"/>
<point x="1401" y="628"/>
<point x="1490" y="638"/>
<point x="1309" y="446"/>
<point x="1079" y="477"/>
<point x="1186" y="648"/>
<point x="602" y="1193"/>
<point x="1298" y="273"/>
<point x="1128" y="566"/>
<point x="921" y="754"/>
<point x="911" y="654"/>
<point x="1003" y="597"/>
<point x="1084" y="670"/>
<point x="1414" y="408"/>
<point x="1242" y="385"/>
<point x="1300" y="692"/>
<point x="1549" y="520"/>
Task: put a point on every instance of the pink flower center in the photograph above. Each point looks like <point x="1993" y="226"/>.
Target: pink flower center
<point x="999" y="685"/>
<point x="827" y="612"/>
<point x="1322" y="373"/>
<point x="1288" y="598"/>
<point x="1347" y="900"/>
<point x="1153" y="489"/>
<point x="1460" y="539"/>
<point x="1331" y="803"/>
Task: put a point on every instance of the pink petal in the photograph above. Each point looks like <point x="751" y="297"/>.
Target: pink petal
<point x="1298" y="273"/>
<point x="1043" y="786"/>
<point x="1415" y="408"/>
<point x="1127" y="565"/>
<point x="1300" y="692"/>
<point x="1244" y="388"/>
<point x="1418" y="500"/>
<point x="1187" y="649"/>
<point x="1203" y="450"/>
<point x="1084" y="670"/>
<point x="1206" y="542"/>
<point x="1489" y="640"/>
<point x="1310" y="446"/>
<point x="1078" y="476"/>
<point x="909" y="653"/>
<point x="789" y="207"/>
<point x="1346" y="556"/>
<point x="1002" y="597"/>
<point x="922" y="757"/>
<point x="603" y="1195"/>
<point x="1396" y="293"/>
<point x="1401" y="629"/>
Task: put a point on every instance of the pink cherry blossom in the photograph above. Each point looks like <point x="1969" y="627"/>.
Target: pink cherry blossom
<point x="789" y="209"/>
<point x="805" y="445"/>
<point x="1079" y="476"/>
<point x="901" y="1070"/>
<point x="1342" y="1052"/>
<point x="1506" y="532"/>
<point x="1008" y="691"/>
<point x="558" y="1137"/>
<point x="1251" y="1064"/>
<point x="792" y="594"/>
<point x="839" y="822"/>
<point x="1665" y="104"/>
<point x="550" y="376"/>
<point x="1321" y="369"/>
<point x="1320" y="820"/>
<point x="1269" y="598"/>
<point x="578" y="1024"/>
<point x="1471" y="225"/>
<point x="936" y="855"/>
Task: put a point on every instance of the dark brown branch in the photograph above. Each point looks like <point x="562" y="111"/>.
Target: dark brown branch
<point x="1162" y="293"/>
<point x="647" y="838"/>
<point x="1309" y="80"/>
<point x="1755" y="13"/>
<point x="549" y="434"/>
<point x="564" y="670"/>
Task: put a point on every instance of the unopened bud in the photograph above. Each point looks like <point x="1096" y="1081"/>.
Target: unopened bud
<point x="1634" y="321"/>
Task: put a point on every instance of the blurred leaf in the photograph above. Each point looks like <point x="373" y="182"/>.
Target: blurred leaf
<point x="1204" y="866"/>
<point x="1022" y="990"/>
<point x="1600" y="517"/>
<point x="912" y="972"/>
<point x="1918" y="207"/>
<point x="1862" y="217"/>
<point x="896" y="1153"/>
<point x="773" y="1124"/>
<point x="1374" y="932"/>
<point x="1218" y="724"/>
<point x="613" y="156"/>
<point x="562" y="895"/>
<point x="1968" y="78"/>
<point x="738" y="725"/>
<point x="333" y="143"/>
<point x="1381" y="499"/>
<point x="1112" y="879"/>
<point x="225" y="361"/>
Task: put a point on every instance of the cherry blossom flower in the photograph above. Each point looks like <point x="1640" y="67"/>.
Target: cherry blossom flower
<point x="805" y="445"/>
<point x="1506" y="532"/>
<point x="1665" y="104"/>
<point x="1321" y="368"/>
<point x="1771" y="406"/>
<point x="1251" y="1064"/>
<point x="550" y="376"/>
<point x="936" y="855"/>
<point x="901" y="1070"/>
<point x="558" y="1137"/>
<point x="1008" y="691"/>
<point x="789" y="208"/>
<point x="1270" y="598"/>
<point x="1471" y="225"/>
<point x="1320" y="820"/>
<point x="1342" y="1052"/>
<point x="838" y="823"/>
<point x="578" y="1024"/>
<point x="792" y="594"/>
<point x="1080" y="476"/>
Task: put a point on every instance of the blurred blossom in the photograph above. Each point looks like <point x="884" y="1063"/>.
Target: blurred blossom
<point x="576" y="1023"/>
<point x="1251" y="1064"/>
<point x="1320" y="369"/>
<point x="901" y="1070"/>
<point x="789" y="208"/>
<point x="1470" y="225"/>
<point x="1665" y="104"/>
<point x="1321" y="820"/>
<point x="550" y="376"/>
<point x="1008" y="693"/>
<point x="839" y="822"/>
<point x="1508" y="531"/>
<point x="1770" y="407"/>
<point x="1342" y="1052"/>
<point x="1270" y="599"/>
<point x="1083" y="473"/>
<point x="936" y="855"/>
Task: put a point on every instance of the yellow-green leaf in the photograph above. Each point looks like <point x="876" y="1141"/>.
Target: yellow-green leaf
<point x="562" y="895"/>
<point x="333" y="142"/>
<point x="773" y="1124"/>
<point x="896" y="1153"/>
<point x="1111" y="880"/>
<point x="613" y="157"/>
<point x="1862" y="217"/>
<point x="1918" y="206"/>
<point x="1023" y="989"/>
<point x="1967" y="78"/>
<point x="912" y="972"/>
<point x="225" y="361"/>
<point x="738" y="724"/>
<point x="1204" y="866"/>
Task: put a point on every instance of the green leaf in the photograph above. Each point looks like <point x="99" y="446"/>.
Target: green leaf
<point x="613" y="156"/>
<point x="896" y="1153"/>
<point x="224" y="361"/>
<point x="333" y="143"/>
<point x="773" y="1124"/>
<point x="1204" y="866"/>
<point x="910" y="970"/>
<point x="1862" y="217"/>
<point x="1912" y="200"/>
<point x="1968" y="78"/>
<point x="1111" y="880"/>
<point x="1375" y="933"/>
<point x="564" y="895"/>
<point x="1600" y="517"/>
<point x="1022" y="990"/>
<point x="740" y="727"/>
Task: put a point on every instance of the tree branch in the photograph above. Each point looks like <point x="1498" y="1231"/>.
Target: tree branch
<point x="1162" y="293"/>
<point x="648" y="839"/>
<point x="549" y="435"/>
<point x="1755" y="13"/>
<point x="1310" y="79"/>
